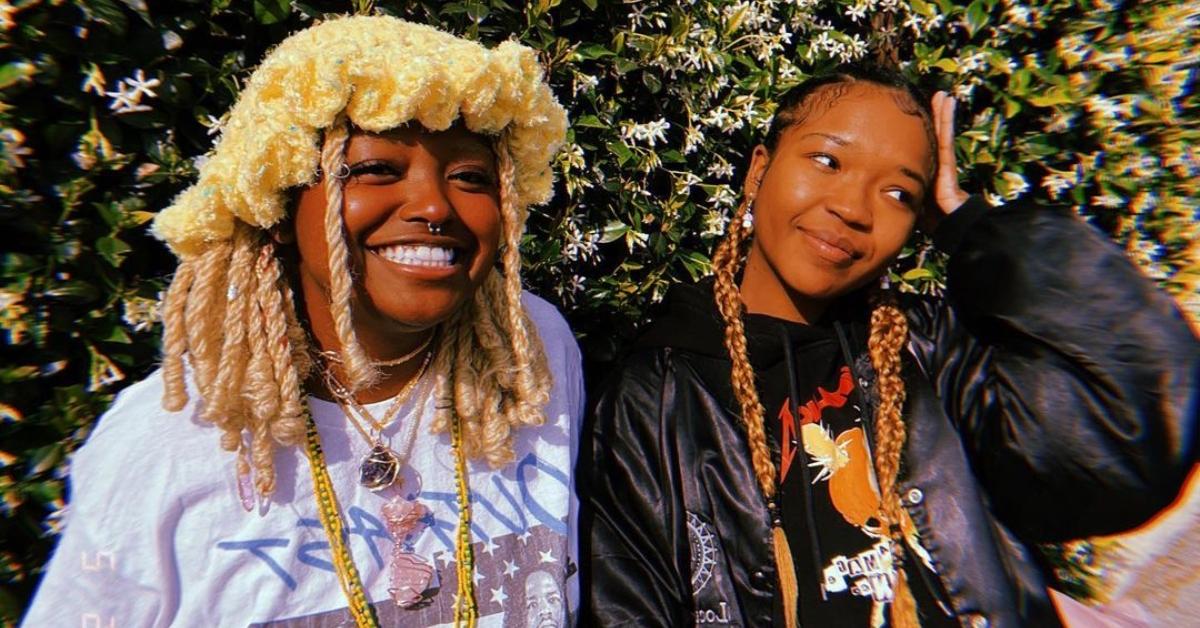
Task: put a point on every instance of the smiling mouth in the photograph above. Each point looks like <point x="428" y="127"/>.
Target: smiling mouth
<point x="831" y="247"/>
<point x="419" y="255"/>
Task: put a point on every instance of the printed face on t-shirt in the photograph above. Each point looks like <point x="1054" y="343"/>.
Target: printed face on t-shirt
<point x="543" y="601"/>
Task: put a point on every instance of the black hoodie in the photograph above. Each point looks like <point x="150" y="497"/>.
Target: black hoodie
<point x="810" y="383"/>
<point x="1052" y="395"/>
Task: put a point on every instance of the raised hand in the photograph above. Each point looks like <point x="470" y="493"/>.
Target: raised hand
<point x="946" y="191"/>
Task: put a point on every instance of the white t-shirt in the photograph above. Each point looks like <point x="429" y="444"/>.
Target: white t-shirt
<point x="156" y="535"/>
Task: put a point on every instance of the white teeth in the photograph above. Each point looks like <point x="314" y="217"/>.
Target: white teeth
<point x="434" y="256"/>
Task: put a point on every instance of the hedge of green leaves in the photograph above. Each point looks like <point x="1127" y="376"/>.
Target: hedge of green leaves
<point x="108" y="104"/>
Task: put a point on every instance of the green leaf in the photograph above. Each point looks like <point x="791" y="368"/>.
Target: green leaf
<point x="271" y="11"/>
<point x="947" y="64"/>
<point x="621" y="151"/>
<point x="16" y="72"/>
<point x="113" y="249"/>
<point x="74" y="291"/>
<point x="1051" y="97"/>
<point x="591" y="4"/>
<point x="108" y="13"/>
<point x="590" y="122"/>
<point x="652" y="83"/>
<point x="614" y="230"/>
<point x="593" y="51"/>
<point x="977" y="17"/>
<point x="917" y="273"/>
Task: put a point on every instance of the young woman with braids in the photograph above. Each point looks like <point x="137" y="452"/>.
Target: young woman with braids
<point x="795" y="443"/>
<point x="398" y="415"/>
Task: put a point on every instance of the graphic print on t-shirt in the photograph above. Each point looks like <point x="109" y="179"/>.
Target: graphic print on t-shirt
<point x="521" y="568"/>
<point x="857" y="556"/>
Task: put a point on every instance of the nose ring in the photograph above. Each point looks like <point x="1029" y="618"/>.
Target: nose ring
<point x="434" y="228"/>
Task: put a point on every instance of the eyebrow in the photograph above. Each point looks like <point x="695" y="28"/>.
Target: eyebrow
<point x="841" y="141"/>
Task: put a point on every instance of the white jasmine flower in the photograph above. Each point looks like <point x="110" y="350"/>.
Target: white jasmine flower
<point x="715" y="222"/>
<point x="141" y="313"/>
<point x="720" y="169"/>
<point x="130" y="91"/>
<point x="692" y="140"/>
<point x="857" y="12"/>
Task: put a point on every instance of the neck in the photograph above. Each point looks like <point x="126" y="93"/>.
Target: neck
<point x="764" y="292"/>
<point x="392" y="379"/>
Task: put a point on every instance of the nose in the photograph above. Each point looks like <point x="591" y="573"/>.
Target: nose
<point x="429" y="201"/>
<point x="851" y="206"/>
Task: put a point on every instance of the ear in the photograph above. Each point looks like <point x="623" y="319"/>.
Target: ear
<point x="760" y="158"/>
<point x="284" y="232"/>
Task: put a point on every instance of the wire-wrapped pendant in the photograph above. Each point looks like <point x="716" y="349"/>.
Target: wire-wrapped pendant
<point x="380" y="469"/>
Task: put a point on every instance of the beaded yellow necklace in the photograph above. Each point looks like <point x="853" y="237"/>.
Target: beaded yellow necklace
<point x="466" y="611"/>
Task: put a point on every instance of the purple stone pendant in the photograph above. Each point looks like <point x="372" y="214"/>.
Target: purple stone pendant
<point x="380" y="469"/>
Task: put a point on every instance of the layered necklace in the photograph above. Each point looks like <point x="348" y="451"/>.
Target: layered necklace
<point x="380" y="470"/>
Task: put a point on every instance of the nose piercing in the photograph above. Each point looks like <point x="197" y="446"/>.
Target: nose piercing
<point x="434" y="228"/>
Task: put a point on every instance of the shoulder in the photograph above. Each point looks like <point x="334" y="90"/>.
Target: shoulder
<point x="136" y="440"/>
<point x="548" y="320"/>
<point x="558" y="341"/>
<point x="635" y="387"/>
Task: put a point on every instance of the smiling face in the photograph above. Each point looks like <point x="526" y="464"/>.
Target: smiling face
<point x="407" y="277"/>
<point x="835" y="200"/>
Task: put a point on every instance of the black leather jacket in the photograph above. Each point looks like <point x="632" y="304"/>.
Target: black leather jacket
<point x="1055" y="397"/>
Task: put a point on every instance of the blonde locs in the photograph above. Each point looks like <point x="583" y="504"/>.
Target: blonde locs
<point x="491" y="368"/>
<point x="356" y="365"/>
<point x="227" y="314"/>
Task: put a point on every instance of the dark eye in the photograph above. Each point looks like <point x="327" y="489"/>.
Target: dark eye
<point x="902" y="195"/>
<point x="825" y="160"/>
<point x="475" y="177"/>
<point x="374" y="170"/>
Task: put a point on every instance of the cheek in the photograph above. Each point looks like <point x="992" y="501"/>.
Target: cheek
<point x="310" y="230"/>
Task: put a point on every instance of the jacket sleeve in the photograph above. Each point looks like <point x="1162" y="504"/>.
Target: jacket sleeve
<point x="634" y="505"/>
<point x="1071" y="378"/>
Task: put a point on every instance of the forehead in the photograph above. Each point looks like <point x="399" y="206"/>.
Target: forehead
<point x="455" y="140"/>
<point x="877" y="119"/>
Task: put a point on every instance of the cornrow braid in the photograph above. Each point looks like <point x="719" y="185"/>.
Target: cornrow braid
<point x="356" y="364"/>
<point x="889" y="333"/>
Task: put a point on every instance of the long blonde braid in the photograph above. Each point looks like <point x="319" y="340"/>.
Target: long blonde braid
<point x="889" y="334"/>
<point x="726" y="263"/>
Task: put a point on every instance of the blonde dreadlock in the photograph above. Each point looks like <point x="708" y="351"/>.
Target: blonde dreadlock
<point x="235" y="301"/>
<point x="230" y="313"/>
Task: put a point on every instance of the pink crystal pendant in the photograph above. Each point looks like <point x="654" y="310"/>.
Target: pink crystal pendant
<point x="410" y="574"/>
<point x="410" y="580"/>
<point x="379" y="469"/>
<point x="245" y="488"/>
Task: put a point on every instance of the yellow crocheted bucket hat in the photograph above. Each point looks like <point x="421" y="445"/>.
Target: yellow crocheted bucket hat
<point x="381" y="72"/>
